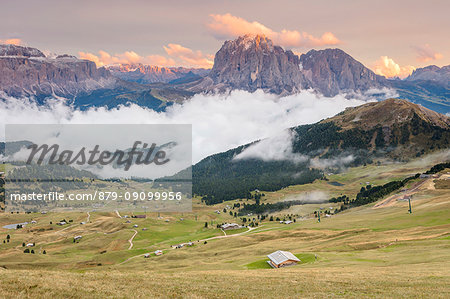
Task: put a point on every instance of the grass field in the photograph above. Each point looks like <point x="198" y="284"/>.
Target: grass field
<point x="361" y="252"/>
<point x="351" y="281"/>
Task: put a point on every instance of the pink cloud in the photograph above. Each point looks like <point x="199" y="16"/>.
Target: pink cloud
<point x="189" y="57"/>
<point x="177" y="55"/>
<point x="425" y="53"/>
<point x="387" y="67"/>
<point x="229" y="26"/>
<point x="129" y="57"/>
<point x="12" y="41"/>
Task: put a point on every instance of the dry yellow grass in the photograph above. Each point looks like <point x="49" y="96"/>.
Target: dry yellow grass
<point x="376" y="282"/>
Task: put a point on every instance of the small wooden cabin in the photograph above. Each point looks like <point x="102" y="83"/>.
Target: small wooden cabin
<point x="228" y="226"/>
<point x="281" y="258"/>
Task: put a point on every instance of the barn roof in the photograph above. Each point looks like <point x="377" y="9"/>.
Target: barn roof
<point x="280" y="256"/>
<point x="226" y="225"/>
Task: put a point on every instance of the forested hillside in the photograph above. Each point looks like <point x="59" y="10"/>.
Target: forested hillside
<point x="392" y="129"/>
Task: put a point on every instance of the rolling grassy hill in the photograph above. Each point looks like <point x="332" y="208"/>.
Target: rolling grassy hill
<point x="384" y="252"/>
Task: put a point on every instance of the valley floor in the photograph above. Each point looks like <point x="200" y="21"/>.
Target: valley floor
<point x="373" y="251"/>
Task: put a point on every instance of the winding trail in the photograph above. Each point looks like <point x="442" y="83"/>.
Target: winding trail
<point x="228" y="236"/>
<point x="70" y="226"/>
<point x="88" y="219"/>
<point x="207" y="239"/>
<point x="117" y="212"/>
<point x="131" y="239"/>
<point x="75" y="225"/>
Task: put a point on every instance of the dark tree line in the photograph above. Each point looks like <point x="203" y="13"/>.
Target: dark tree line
<point x="371" y="194"/>
<point x="438" y="167"/>
<point x="368" y="195"/>
<point x="343" y="198"/>
<point x="264" y="208"/>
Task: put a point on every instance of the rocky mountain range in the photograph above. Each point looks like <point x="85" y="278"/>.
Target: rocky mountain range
<point x="332" y="71"/>
<point x="253" y="62"/>
<point x="249" y="63"/>
<point x="146" y="74"/>
<point x="13" y="50"/>
<point x="428" y="86"/>
<point x="431" y="73"/>
<point x="26" y="71"/>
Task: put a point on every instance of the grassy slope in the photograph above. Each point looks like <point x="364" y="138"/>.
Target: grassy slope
<point x="383" y="252"/>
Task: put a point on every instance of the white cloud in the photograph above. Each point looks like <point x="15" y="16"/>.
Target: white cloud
<point x="382" y="93"/>
<point x="274" y="148"/>
<point x="310" y="197"/>
<point x="326" y="163"/>
<point x="220" y="122"/>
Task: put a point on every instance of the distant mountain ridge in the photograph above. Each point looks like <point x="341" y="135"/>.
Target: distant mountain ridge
<point x="249" y="63"/>
<point x="332" y="71"/>
<point x="13" y="50"/>
<point x="146" y="74"/>
<point x="431" y="73"/>
<point x="253" y="62"/>
<point x="27" y="72"/>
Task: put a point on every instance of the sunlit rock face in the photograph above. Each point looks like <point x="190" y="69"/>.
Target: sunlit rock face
<point x="253" y="62"/>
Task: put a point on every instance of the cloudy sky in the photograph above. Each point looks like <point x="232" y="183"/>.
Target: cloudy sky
<point x="392" y="37"/>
